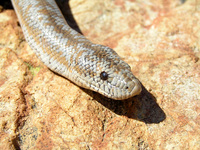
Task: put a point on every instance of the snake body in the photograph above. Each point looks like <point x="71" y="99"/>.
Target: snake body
<point x="70" y="54"/>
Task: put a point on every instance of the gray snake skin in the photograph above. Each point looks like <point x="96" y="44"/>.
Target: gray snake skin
<point x="70" y="54"/>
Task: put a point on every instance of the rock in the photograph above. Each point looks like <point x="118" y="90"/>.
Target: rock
<point x="159" y="40"/>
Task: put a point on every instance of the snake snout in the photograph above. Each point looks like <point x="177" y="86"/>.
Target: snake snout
<point x="134" y="87"/>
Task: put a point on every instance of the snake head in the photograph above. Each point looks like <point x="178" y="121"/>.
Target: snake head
<point x="118" y="82"/>
<point x="106" y="73"/>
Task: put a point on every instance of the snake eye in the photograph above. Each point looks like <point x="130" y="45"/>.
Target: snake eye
<point x="104" y="75"/>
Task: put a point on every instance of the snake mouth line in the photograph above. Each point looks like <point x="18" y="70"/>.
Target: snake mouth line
<point x="114" y="91"/>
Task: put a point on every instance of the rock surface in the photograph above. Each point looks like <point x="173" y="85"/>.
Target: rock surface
<point x="160" y="40"/>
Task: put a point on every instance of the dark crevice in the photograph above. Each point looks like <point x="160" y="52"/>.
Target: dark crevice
<point x="16" y="143"/>
<point x="6" y="4"/>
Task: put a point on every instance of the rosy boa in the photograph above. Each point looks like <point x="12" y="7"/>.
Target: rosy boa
<point x="70" y="54"/>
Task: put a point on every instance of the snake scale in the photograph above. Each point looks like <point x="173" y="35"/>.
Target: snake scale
<point x="70" y="54"/>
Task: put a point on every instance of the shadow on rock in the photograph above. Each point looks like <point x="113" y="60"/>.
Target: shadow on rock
<point x="66" y="11"/>
<point x="142" y="107"/>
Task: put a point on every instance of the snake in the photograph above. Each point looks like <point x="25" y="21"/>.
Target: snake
<point x="71" y="55"/>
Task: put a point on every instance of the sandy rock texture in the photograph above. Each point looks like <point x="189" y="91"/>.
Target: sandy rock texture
<point x="159" y="39"/>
